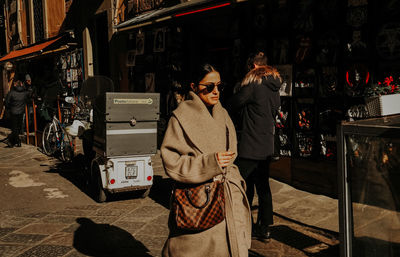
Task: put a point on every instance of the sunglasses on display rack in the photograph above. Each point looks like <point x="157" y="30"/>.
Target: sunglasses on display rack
<point x="210" y="86"/>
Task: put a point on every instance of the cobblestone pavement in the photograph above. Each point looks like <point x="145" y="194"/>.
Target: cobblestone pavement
<point x="127" y="225"/>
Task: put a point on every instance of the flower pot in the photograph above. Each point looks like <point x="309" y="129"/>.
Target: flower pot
<point x="383" y="105"/>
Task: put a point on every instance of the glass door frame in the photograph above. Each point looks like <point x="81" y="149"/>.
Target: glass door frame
<point x="388" y="127"/>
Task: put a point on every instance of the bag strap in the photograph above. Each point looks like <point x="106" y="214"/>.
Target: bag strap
<point x="207" y="189"/>
<point x="227" y="138"/>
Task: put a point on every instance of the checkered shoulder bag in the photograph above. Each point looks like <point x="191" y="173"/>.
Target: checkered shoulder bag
<point x="201" y="206"/>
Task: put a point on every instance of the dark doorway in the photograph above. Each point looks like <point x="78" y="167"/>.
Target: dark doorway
<point x="99" y="35"/>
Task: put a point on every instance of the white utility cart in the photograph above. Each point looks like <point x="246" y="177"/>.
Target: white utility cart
<point x="123" y="138"/>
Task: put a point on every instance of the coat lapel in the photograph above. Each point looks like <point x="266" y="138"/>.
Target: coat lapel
<point x="203" y="130"/>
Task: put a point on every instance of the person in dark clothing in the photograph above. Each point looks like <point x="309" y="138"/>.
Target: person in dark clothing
<point x="15" y="102"/>
<point x="258" y="101"/>
<point x="31" y="94"/>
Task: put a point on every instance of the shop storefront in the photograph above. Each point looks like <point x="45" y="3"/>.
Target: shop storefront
<point x="162" y="46"/>
<point x="55" y="68"/>
<point x="329" y="53"/>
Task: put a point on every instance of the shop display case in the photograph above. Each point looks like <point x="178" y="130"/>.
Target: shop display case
<point x="369" y="191"/>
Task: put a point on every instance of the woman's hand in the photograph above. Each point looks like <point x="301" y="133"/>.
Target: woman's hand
<point x="224" y="158"/>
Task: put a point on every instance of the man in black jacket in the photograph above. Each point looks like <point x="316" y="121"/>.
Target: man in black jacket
<point x="258" y="100"/>
<point x="15" y="102"/>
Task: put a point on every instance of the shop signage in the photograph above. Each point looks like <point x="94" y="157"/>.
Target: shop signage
<point x="133" y="101"/>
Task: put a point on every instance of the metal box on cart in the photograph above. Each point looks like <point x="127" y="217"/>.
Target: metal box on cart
<point x="125" y="138"/>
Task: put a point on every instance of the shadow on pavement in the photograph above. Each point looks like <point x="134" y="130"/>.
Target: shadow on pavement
<point x="73" y="171"/>
<point x="106" y="240"/>
<point x="310" y="246"/>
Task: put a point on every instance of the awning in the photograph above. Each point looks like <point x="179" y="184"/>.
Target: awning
<point x="29" y="51"/>
<point x="154" y="16"/>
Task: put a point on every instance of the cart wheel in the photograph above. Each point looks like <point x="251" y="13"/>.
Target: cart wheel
<point x="98" y="192"/>
<point x="146" y="193"/>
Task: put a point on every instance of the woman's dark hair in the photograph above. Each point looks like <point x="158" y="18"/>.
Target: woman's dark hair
<point x="260" y="59"/>
<point x="201" y="71"/>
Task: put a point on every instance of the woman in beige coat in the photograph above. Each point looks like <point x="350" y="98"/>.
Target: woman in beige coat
<point x="194" y="151"/>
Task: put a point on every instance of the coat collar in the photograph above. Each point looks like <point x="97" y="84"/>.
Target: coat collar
<point x="203" y="129"/>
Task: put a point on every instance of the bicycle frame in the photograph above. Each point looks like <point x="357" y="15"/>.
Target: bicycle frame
<point x="59" y="133"/>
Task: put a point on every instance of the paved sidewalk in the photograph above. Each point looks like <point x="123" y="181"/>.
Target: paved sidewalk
<point x="305" y="224"/>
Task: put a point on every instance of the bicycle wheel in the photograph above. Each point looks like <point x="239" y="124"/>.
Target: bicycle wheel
<point x="49" y="139"/>
<point x="67" y="150"/>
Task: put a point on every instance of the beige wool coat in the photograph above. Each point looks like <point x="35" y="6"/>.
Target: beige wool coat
<point x="192" y="139"/>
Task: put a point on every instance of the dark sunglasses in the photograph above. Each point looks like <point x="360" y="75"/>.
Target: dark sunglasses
<point x="210" y="86"/>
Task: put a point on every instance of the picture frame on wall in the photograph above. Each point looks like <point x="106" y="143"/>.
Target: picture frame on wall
<point x="130" y="58"/>
<point x="159" y="40"/>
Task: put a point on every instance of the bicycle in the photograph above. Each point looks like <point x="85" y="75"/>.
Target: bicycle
<point x="56" y="139"/>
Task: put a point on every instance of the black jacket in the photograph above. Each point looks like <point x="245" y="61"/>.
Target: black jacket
<point x="258" y="104"/>
<point x="16" y="100"/>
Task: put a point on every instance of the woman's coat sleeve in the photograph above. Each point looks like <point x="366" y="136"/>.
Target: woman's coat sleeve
<point x="182" y="162"/>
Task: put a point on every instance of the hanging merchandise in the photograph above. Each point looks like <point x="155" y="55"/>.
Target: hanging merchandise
<point x="303" y="52"/>
<point x="328" y="146"/>
<point x="328" y="85"/>
<point x="80" y="78"/>
<point x="149" y="82"/>
<point x="286" y="74"/>
<point x="281" y="51"/>
<point x="282" y="145"/>
<point x="74" y="75"/>
<point x="63" y="61"/>
<point x="305" y="82"/>
<point x="327" y="47"/>
<point x="69" y="76"/>
<point x="328" y="11"/>
<point x="140" y="43"/>
<point x="356" y="47"/>
<point x="260" y="20"/>
<point x="304" y="18"/>
<point x="356" y="112"/>
<point x="304" y="119"/>
<point x="68" y="57"/>
<point x="388" y="41"/>
<point x="73" y="60"/>
<point x="357" y="16"/>
<point x="130" y="58"/>
<point x="304" y="145"/>
<point x="70" y="70"/>
<point x="159" y="40"/>
<point x="357" y="78"/>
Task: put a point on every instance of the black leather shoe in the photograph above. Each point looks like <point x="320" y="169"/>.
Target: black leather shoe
<point x="18" y="144"/>
<point x="262" y="232"/>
